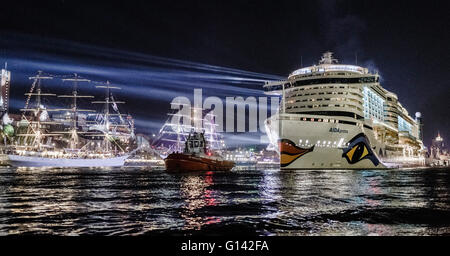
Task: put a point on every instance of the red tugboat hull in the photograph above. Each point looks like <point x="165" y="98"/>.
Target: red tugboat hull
<point x="190" y="163"/>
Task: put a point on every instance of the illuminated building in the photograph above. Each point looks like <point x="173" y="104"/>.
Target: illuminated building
<point x="5" y="79"/>
<point x="438" y="152"/>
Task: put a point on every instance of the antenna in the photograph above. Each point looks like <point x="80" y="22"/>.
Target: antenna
<point x="356" y="58"/>
<point x="301" y="61"/>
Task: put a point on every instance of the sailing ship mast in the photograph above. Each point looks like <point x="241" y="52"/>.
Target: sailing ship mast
<point x="74" y="131"/>
<point x="36" y="126"/>
<point x="108" y="100"/>
<point x="37" y="111"/>
<point x="176" y="131"/>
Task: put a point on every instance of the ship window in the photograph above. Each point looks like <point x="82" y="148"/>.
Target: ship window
<point x="335" y="81"/>
<point x="333" y="113"/>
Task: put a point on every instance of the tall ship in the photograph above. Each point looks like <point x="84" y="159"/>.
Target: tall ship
<point x="181" y="122"/>
<point x="335" y="116"/>
<point x="70" y="137"/>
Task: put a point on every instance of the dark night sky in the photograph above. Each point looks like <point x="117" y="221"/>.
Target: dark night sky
<point x="407" y="42"/>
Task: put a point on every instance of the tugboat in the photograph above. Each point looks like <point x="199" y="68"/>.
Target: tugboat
<point x="196" y="157"/>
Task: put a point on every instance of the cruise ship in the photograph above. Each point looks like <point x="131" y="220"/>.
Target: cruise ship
<point x="335" y="116"/>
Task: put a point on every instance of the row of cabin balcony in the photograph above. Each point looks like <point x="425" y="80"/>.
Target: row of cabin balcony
<point x="339" y="92"/>
<point x="277" y="86"/>
<point x="293" y="100"/>
<point x="326" y="107"/>
<point x="333" y="87"/>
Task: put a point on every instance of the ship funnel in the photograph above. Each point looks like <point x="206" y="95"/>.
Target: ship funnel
<point x="327" y="58"/>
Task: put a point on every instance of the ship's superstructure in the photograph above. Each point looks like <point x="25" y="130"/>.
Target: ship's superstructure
<point x="339" y="116"/>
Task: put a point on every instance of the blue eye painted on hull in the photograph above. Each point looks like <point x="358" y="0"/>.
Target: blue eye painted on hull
<point x="359" y="149"/>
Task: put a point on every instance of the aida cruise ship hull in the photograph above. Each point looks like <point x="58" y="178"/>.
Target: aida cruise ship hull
<point x="321" y="142"/>
<point x="30" y="161"/>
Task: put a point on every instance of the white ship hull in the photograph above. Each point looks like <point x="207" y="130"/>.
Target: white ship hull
<point x="30" y="161"/>
<point x="307" y="144"/>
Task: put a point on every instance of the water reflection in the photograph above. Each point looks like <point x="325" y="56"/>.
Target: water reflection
<point x="132" y="201"/>
<point x="362" y="202"/>
<point x="196" y="192"/>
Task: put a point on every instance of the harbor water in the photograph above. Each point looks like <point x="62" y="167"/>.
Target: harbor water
<point x="145" y="201"/>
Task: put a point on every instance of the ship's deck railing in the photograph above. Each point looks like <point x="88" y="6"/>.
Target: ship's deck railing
<point x="322" y="68"/>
